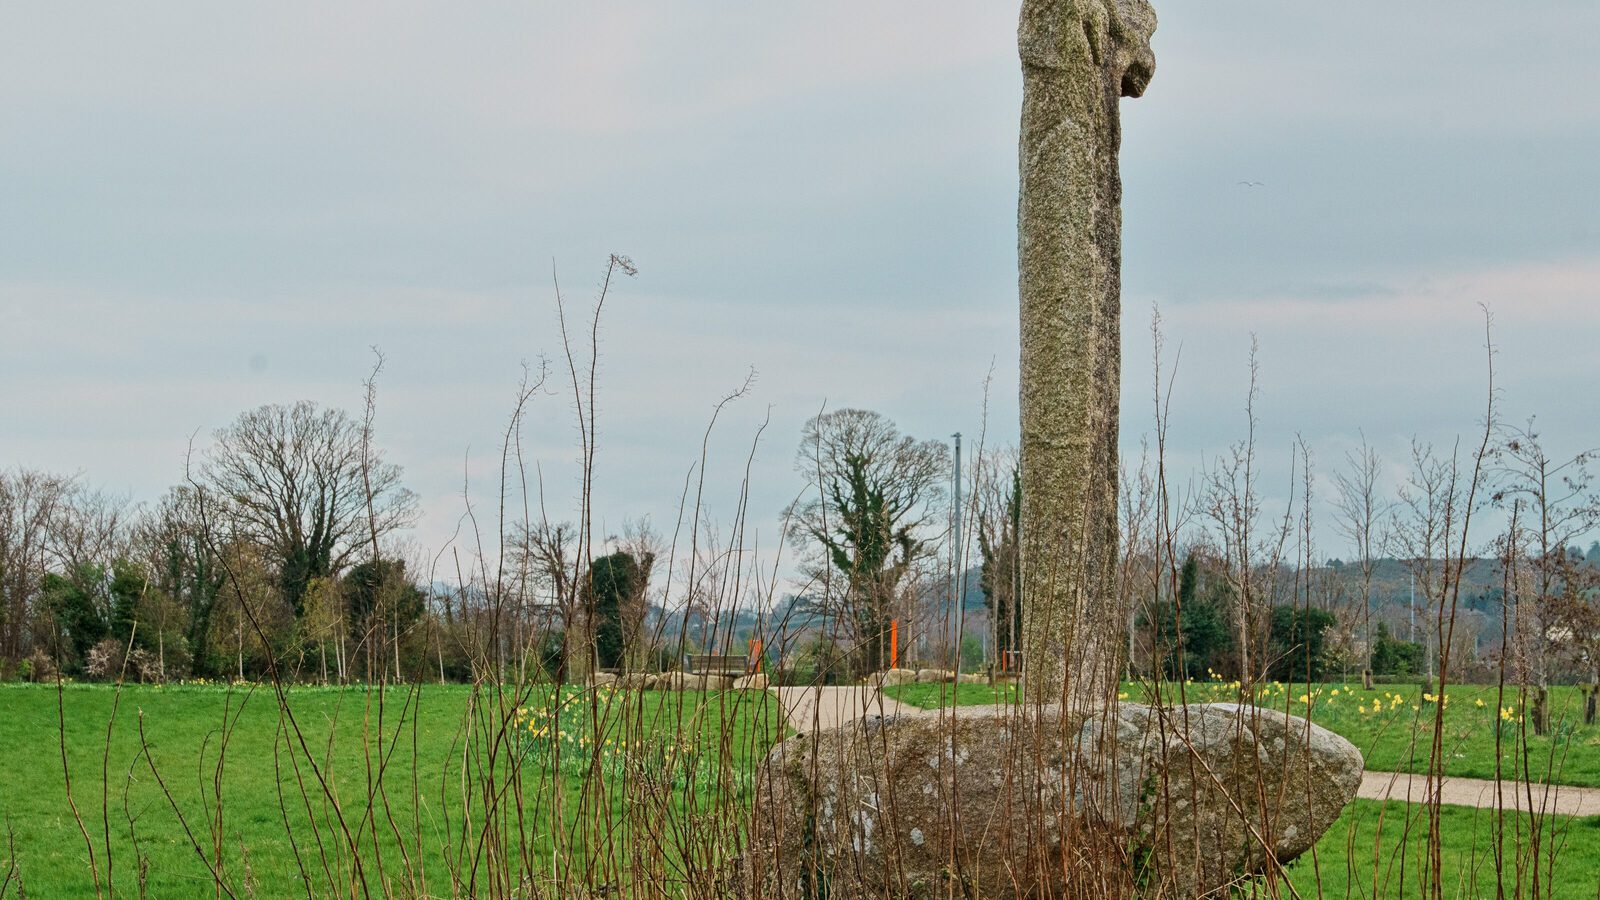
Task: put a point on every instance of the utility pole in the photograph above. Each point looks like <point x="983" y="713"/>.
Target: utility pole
<point x="1412" y="636"/>
<point x="956" y="592"/>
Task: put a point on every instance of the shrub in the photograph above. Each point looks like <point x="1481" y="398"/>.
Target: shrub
<point x="1394" y="657"/>
<point x="39" y="667"/>
<point x="110" y="660"/>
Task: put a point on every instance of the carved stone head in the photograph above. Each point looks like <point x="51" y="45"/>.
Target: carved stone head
<point x="1133" y="25"/>
<point x="1116" y="33"/>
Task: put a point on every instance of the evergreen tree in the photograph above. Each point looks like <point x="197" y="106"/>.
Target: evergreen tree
<point x="128" y="590"/>
<point x="381" y="603"/>
<point x="75" y="603"/>
<point x="1296" y="643"/>
<point x="1202" y="621"/>
<point x="1394" y="657"/>
<point x="615" y="592"/>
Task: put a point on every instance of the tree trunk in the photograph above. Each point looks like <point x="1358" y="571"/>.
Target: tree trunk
<point x="1079" y="57"/>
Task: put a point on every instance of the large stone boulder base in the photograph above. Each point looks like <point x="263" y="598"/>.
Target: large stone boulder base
<point x="1002" y="803"/>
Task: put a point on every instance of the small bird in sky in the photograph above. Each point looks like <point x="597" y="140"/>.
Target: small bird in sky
<point x="1253" y="184"/>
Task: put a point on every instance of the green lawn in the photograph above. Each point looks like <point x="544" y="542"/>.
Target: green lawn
<point x="931" y="696"/>
<point x="1359" y="856"/>
<point x="1391" y="724"/>
<point x="671" y="777"/>
<point x="661" y="760"/>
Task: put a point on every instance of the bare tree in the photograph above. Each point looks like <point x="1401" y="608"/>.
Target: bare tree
<point x="1251" y="551"/>
<point x="645" y="545"/>
<point x="185" y="568"/>
<point x="28" y="504"/>
<point x="1575" y="616"/>
<point x="298" y="481"/>
<point x="544" y="555"/>
<point x="997" y="494"/>
<point x="1360" y="514"/>
<point x="87" y="527"/>
<point x="1560" y="505"/>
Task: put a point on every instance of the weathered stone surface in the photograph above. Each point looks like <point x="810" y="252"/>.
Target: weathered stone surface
<point x="1007" y="805"/>
<point x="600" y="679"/>
<point x="1079" y="57"/>
<point x="892" y="677"/>
<point x="682" y="681"/>
<point x="637" y="681"/>
<point x="754" y="682"/>
<point x="935" y="676"/>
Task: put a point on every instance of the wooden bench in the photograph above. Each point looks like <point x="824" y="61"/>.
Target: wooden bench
<point x="712" y="664"/>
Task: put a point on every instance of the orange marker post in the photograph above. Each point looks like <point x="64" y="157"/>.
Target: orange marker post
<point x="894" y="643"/>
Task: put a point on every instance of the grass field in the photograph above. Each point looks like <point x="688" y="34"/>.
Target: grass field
<point x="1360" y="856"/>
<point x="689" y="754"/>
<point x="1391" y="724"/>
<point x="696" y="752"/>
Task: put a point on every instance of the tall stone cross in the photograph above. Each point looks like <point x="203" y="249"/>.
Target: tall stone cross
<point x="1079" y="58"/>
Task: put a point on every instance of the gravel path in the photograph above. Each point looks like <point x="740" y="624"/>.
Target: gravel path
<point x="814" y="708"/>
<point x="1554" y="798"/>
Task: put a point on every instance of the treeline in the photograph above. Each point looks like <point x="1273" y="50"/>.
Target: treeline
<point x="1191" y="637"/>
<point x="280" y="554"/>
<point x="1470" y="568"/>
<point x="278" y="557"/>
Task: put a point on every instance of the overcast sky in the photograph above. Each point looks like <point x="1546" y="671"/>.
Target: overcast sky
<point x="205" y="207"/>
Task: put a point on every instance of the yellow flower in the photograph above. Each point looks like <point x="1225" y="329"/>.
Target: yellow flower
<point x="1479" y="702"/>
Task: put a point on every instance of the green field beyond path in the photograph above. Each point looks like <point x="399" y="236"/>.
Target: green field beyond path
<point x="697" y="747"/>
<point x="1391" y="724"/>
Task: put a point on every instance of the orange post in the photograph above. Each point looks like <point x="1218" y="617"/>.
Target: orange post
<point x="755" y="653"/>
<point x="894" y="643"/>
